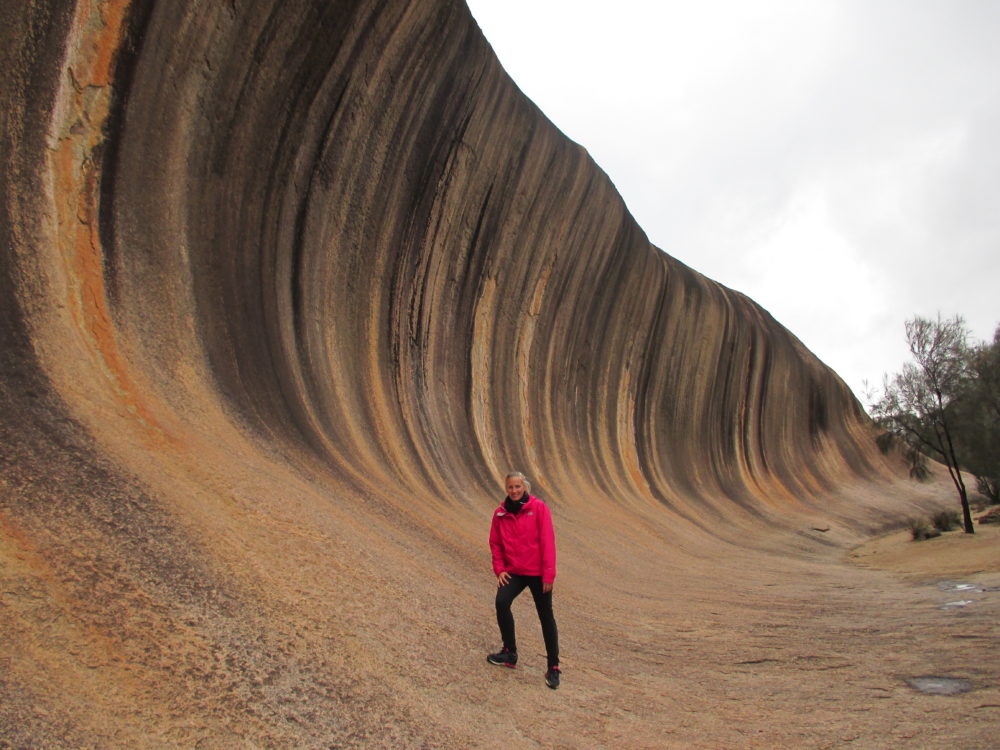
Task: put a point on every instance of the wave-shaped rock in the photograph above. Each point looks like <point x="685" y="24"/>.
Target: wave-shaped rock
<point x="286" y="287"/>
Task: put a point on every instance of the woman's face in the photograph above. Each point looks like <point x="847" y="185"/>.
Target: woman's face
<point x="515" y="488"/>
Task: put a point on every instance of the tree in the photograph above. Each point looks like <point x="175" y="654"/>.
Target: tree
<point x="918" y="406"/>
<point x="977" y="413"/>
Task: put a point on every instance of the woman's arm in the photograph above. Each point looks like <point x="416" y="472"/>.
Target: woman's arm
<point x="547" y="547"/>
<point x="496" y="549"/>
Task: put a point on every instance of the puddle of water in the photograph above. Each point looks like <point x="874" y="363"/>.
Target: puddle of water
<point x="953" y="586"/>
<point x="958" y="604"/>
<point x="939" y="685"/>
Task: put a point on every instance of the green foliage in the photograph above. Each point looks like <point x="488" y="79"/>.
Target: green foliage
<point x="915" y="460"/>
<point x="945" y="405"/>
<point x="919" y="405"/>
<point x="977" y="412"/>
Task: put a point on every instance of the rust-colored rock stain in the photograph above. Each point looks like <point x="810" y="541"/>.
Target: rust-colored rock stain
<point x="76" y="170"/>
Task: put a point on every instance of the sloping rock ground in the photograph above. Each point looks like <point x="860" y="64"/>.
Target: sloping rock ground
<point x="286" y="287"/>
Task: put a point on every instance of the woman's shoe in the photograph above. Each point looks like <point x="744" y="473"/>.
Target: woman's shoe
<point x="552" y="677"/>
<point x="505" y="657"/>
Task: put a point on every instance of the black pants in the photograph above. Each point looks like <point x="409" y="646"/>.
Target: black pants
<point x="543" y="605"/>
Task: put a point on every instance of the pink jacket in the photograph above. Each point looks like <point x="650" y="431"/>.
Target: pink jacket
<point x="524" y="544"/>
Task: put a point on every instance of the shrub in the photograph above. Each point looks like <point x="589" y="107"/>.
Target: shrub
<point x="989" y="486"/>
<point x="946" y="520"/>
<point x="921" y="529"/>
<point x="992" y="516"/>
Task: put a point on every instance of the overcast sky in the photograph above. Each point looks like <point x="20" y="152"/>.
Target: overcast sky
<point x="837" y="161"/>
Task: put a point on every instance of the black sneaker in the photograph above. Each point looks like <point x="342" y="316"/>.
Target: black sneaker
<point x="552" y="677"/>
<point x="505" y="657"/>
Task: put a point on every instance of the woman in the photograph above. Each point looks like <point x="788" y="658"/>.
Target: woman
<point x="524" y="556"/>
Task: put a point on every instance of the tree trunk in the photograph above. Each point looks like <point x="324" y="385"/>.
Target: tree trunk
<point x="956" y="477"/>
<point x="966" y="513"/>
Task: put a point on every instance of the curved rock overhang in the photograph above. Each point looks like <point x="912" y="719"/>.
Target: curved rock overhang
<point x="296" y="283"/>
<point x="359" y="234"/>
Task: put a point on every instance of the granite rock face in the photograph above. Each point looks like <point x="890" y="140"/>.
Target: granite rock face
<point x="286" y="288"/>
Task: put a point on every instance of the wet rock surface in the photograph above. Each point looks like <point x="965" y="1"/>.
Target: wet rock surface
<point x="939" y="685"/>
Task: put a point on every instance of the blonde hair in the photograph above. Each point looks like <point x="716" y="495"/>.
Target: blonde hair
<point x="518" y="475"/>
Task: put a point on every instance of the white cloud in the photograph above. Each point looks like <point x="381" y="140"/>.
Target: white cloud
<point x="837" y="162"/>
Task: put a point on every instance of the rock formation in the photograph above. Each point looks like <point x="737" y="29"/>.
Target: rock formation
<point x="286" y="287"/>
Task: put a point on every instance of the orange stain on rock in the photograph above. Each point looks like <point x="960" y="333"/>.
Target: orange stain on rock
<point x="98" y="32"/>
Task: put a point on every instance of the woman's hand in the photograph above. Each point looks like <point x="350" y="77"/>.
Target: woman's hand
<point x="503" y="578"/>
<point x="546" y="588"/>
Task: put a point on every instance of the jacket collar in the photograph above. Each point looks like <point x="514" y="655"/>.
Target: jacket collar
<point x="527" y="505"/>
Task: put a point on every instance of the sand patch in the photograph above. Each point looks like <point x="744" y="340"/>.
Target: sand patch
<point x="954" y="553"/>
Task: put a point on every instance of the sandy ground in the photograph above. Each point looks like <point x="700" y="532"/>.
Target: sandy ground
<point x="954" y="553"/>
<point x="783" y="636"/>
<point x="835" y="651"/>
<point x="206" y="610"/>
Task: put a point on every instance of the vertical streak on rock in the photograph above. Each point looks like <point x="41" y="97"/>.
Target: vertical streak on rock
<point x="76" y="146"/>
<point x="481" y="357"/>
<point x="345" y="219"/>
